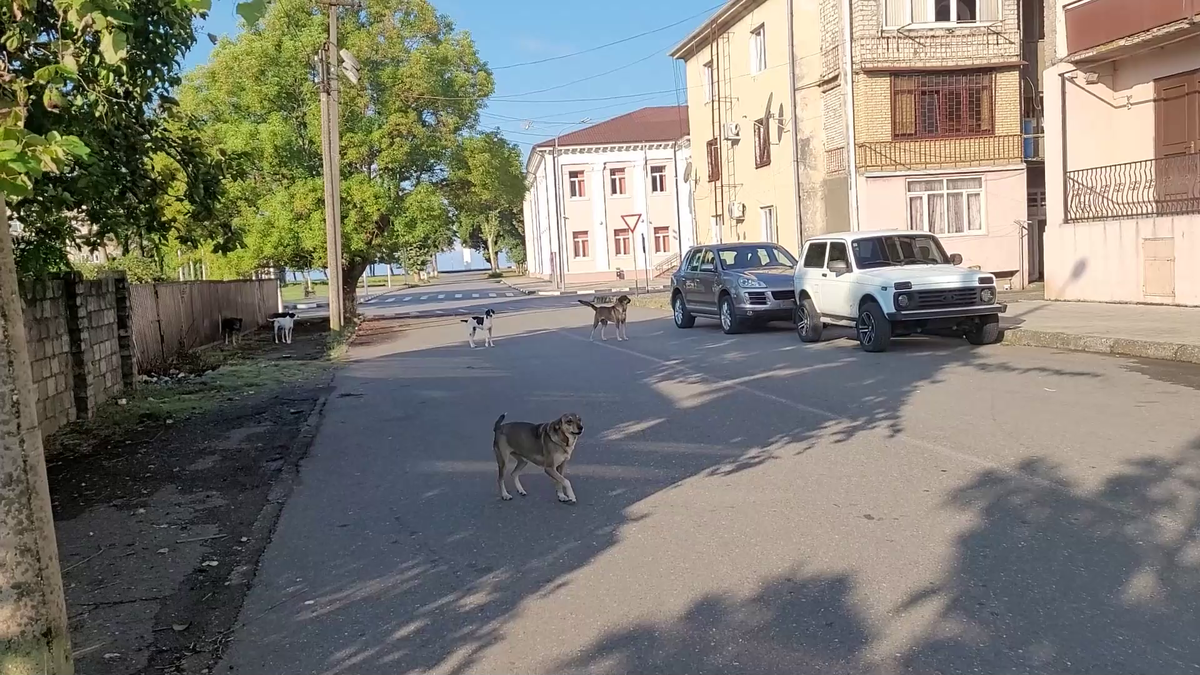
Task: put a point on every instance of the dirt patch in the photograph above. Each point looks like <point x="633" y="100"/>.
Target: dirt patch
<point x="163" y="504"/>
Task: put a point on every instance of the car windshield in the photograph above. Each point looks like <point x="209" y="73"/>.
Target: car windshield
<point x="898" y="250"/>
<point x="750" y="257"/>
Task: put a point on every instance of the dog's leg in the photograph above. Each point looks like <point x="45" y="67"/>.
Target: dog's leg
<point x="516" y="475"/>
<point x="505" y="470"/>
<point x="490" y="342"/>
<point x="603" y="327"/>
<point x="595" y="322"/>
<point x="471" y="338"/>
<point x="565" y="492"/>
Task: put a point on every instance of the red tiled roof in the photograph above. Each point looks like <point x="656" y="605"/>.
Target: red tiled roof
<point x="647" y="125"/>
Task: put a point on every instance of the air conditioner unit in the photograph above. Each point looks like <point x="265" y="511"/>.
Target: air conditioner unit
<point x="733" y="131"/>
<point x="737" y="210"/>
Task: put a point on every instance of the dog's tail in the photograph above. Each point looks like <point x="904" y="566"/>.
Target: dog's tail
<point x="585" y="302"/>
<point x="464" y="320"/>
<point x="499" y="421"/>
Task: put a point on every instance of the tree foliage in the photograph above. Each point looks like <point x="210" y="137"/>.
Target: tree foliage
<point x="421" y="87"/>
<point x="487" y="187"/>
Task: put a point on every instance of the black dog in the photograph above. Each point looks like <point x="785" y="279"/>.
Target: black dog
<point x="231" y="328"/>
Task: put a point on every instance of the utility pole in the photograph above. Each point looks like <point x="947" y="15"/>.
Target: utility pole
<point x="33" y="624"/>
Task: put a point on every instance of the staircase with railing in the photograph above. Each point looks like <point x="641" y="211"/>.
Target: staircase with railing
<point x="667" y="266"/>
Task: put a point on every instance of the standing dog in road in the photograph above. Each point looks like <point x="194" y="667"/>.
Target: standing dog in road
<point x="480" y="324"/>
<point x="548" y="445"/>
<point x="284" y="323"/>
<point x="605" y="314"/>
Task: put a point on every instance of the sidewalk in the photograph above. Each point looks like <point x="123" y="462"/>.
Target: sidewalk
<point x="1167" y="333"/>
<point x="531" y="286"/>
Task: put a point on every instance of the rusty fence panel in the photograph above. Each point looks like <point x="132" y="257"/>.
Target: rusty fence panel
<point x="176" y="317"/>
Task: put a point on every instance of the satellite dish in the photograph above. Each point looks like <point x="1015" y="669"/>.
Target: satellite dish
<point x="767" y="110"/>
<point x="687" y="171"/>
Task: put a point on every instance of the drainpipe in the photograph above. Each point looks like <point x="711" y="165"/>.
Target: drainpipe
<point x="791" y="44"/>
<point x="676" y="192"/>
<point x="848" y="88"/>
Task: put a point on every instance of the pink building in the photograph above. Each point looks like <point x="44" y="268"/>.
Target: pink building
<point x="625" y="203"/>
<point x="1123" y="151"/>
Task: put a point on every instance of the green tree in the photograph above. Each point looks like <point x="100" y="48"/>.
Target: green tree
<point x="487" y="187"/>
<point x="421" y="87"/>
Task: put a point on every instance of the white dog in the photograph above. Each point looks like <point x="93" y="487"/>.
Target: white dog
<point x="284" y="323"/>
<point x="480" y="324"/>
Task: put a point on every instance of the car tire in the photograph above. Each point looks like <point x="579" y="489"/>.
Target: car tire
<point x="730" y="323"/>
<point x="873" y="328"/>
<point x="808" y="321"/>
<point x="986" y="332"/>
<point x="683" y="318"/>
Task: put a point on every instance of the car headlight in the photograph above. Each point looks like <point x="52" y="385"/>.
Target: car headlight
<point x="987" y="295"/>
<point x="748" y="282"/>
<point x="903" y="301"/>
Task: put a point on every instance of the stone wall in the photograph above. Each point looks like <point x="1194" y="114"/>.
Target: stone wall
<point x="80" y="349"/>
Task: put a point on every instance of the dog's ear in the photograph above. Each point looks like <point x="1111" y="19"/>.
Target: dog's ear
<point x="557" y="433"/>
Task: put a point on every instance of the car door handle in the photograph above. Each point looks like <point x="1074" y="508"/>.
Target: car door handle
<point x="824" y="274"/>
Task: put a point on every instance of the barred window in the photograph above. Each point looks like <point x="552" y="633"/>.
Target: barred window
<point x="713" y="149"/>
<point x="942" y="105"/>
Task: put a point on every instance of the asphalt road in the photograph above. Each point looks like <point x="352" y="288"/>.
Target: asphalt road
<point x="746" y="504"/>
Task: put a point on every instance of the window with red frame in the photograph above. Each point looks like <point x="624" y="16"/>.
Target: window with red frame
<point x="762" y="142"/>
<point x="580" y="242"/>
<point x="622" y="242"/>
<point x="713" y="148"/>
<point x="662" y="240"/>
<point x="942" y="105"/>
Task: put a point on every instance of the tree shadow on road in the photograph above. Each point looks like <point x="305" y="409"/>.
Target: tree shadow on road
<point x="452" y="564"/>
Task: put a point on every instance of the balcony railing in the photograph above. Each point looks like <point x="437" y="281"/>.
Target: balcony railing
<point x="1167" y="186"/>
<point x="966" y="152"/>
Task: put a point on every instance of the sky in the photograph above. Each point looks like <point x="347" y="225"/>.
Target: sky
<point x="509" y="32"/>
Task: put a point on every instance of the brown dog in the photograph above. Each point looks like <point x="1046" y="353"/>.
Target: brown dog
<point x="548" y="445"/>
<point x="615" y="313"/>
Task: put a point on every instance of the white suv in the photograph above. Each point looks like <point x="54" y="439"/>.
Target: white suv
<point x="892" y="283"/>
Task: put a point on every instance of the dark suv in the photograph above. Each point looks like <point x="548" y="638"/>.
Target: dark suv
<point x="737" y="284"/>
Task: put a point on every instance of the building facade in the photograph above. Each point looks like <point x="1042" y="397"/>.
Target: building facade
<point x="1123" y="151"/>
<point x="887" y="114"/>
<point x="625" y="205"/>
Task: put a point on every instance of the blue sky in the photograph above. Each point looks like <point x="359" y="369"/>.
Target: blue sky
<point x="510" y="32"/>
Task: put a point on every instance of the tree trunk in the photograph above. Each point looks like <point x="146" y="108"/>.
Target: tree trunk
<point x="351" y="273"/>
<point x="492" y="254"/>
<point x="33" y="623"/>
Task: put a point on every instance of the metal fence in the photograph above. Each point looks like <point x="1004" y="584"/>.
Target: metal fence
<point x="172" y="318"/>
<point x="971" y="151"/>
<point x="1165" y="186"/>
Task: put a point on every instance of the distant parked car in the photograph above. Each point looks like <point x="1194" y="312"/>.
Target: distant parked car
<point x="891" y="284"/>
<point x="738" y="284"/>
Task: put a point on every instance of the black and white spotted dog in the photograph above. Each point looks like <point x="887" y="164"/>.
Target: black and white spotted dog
<point x="480" y="324"/>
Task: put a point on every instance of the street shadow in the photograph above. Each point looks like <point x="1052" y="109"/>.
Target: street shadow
<point x="703" y="407"/>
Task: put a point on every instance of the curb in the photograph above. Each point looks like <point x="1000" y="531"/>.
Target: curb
<point x="586" y="291"/>
<point x="1148" y="349"/>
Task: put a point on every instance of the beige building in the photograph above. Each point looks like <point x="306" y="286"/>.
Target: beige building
<point x="1123" y="151"/>
<point x="929" y="135"/>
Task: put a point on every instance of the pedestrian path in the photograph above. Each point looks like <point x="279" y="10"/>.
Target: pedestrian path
<point x="391" y="299"/>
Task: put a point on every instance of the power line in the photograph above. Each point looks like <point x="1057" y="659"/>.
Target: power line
<point x="656" y="52"/>
<point x="567" y="113"/>
<point x="610" y="44"/>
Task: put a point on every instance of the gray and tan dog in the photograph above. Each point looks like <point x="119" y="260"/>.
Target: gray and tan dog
<point x="548" y="445"/>
<point x="605" y="314"/>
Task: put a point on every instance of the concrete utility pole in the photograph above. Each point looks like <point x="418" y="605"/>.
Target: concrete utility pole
<point x="33" y="611"/>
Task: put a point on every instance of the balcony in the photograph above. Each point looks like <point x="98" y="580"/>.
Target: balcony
<point x="1167" y="186"/>
<point x="1095" y="26"/>
<point x="941" y="153"/>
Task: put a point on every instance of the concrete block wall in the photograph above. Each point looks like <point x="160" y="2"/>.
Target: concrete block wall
<point x="79" y="346"/>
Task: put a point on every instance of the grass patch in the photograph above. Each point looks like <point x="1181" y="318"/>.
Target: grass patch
<point x="294" y="292"/>
<point x="653" y="301"/>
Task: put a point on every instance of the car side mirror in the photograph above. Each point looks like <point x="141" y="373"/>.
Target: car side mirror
<point x="838" y="266"/>
<point x="956" y="258"/>
<point x="708" y="268"/>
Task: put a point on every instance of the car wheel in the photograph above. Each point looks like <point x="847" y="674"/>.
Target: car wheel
<point x="729" y="318"/>
<point x="808" y="321"/>
<point x="873" y="328"/>
<point x="986" y="332"/>
<point x="683" y="318"/>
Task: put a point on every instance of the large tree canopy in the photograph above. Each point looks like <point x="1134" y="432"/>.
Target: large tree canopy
<point x="487" y="187"/>
<point x="420" y="90"/>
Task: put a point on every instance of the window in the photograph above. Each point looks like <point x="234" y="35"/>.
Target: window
<point x="758" y="50"/>
<point x="762" y="142"/>
<point x="616" y="182"/>
<point x="658" y="179"/>
<point x="693" y="262"/>
<point x="753" y="257"/>
<point x="713" y="149"/>
<point x="580" y="242"/>
<point x="942" y="105"/>
<point x="708" y="261"/>
<point x="767" y="213"/>
<point x="905" y="13"/>
<point x="814" y="257"/>
<point x="946" y="205"/>
<point x="622" y="241"/>
<point x="662" y="240"/>
<point x="578" y="184"/>
<point x="893" y="250"/>
<point x="837" y="252"/>
<point x="707" y="72"/>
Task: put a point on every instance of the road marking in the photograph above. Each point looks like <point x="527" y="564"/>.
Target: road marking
<point x="424" y="297"/>
<point x="407" y="298"/>
<point x="508" y="295"/>
<point x="441" y="296"/>
<point x="456" y="296"/>
<point x="474" y="295"/>
<point x="491" y="295"/>
<point x="391" y="299"/>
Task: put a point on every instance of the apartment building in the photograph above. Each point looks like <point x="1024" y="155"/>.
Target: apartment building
<point x="886" y="114"/>
<point x="1123" y="151"/>
<point x="626" y="204"/>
